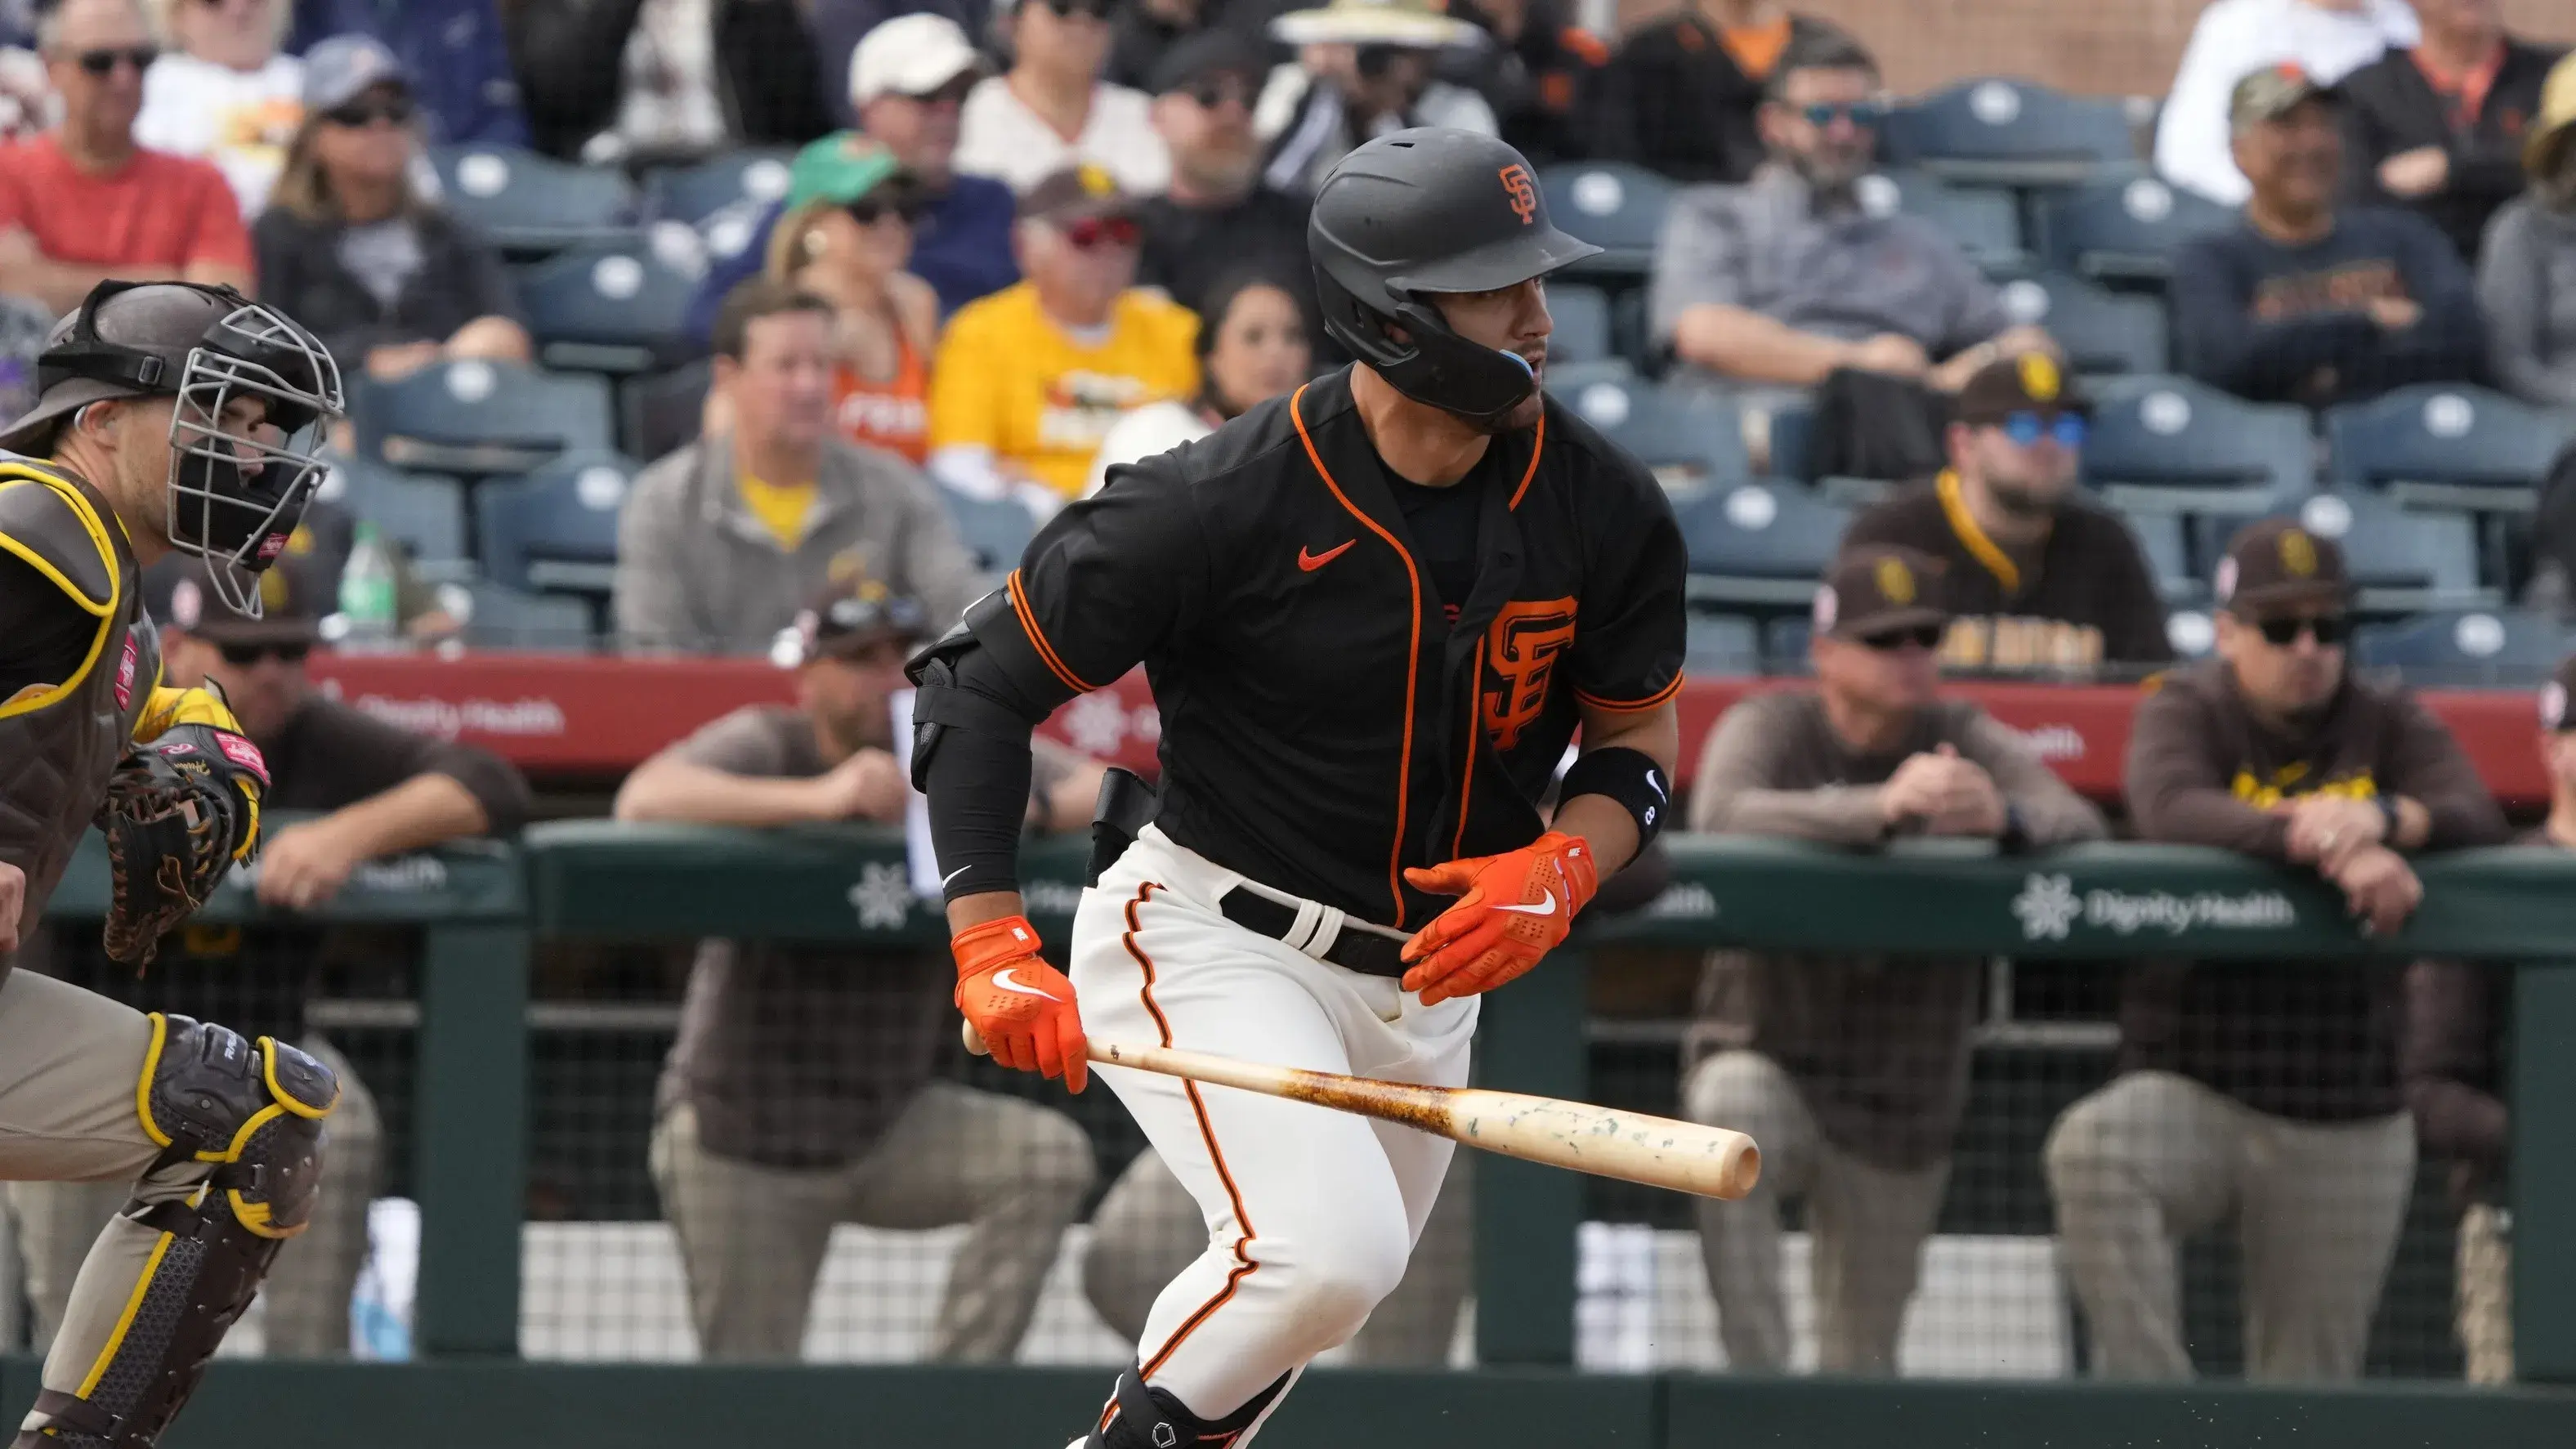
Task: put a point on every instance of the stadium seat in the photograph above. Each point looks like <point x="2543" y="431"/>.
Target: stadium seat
<point x="658" y="413"/>
<point x="2446" y="444"/>
<point x="2171" y="445"/>
<point x="1567" y="380"/>
<point x="1690" y="445"/>
<point x="2125" y="231"/>
<point x="1611" y="204"/>
<point x="555" y="530"/>
<point x="618" y="307"/>
<point x="523" y="202"/>
<point x="2166" y="544"/>
<point x="421" y="513"/>
<point x="1784" y="644"/>
<point x="691" y="194"/>
<point x="2102" y="331"/>
<point x="1582" y="317"/>
<point x="996" y="530"/>
<point x="1721" y="644"/>
<point x="1985" y="223"/>
<point x="1761" y="544"/>
<point x="479" y="419"/>
<point x="2465" y="647"/>
<point x="2401" y="560"/>
<point x="499" y="617"/>
<point x="2000" y="132"/>
<point x="1790" y="429"/>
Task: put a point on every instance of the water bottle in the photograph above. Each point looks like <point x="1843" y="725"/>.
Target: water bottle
<point x="367" y="595"/>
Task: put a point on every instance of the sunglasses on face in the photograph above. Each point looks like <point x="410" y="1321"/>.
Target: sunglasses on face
<point x="1096" y="9"/>
<point x="1212" y="93"/>
<point x="869" y="210"/>
<point x="1888" y="641"/>
<point x="243" y="656"/>
<point x="394" y="109"/>
<point x="1098" y="231"/>
<point x="2027" y="428"/>
<point x="1864" y="114"/>
<point x="105" y="62"/>
<point x="2330" y="630"/>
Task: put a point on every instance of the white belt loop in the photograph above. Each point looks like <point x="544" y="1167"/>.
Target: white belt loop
<point x="1309" y="915"/>
<point x="1327" y="931"/>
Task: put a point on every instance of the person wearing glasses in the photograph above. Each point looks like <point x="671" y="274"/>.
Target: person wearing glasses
<point x="1781" y="282"/>
<point x="2041" y="581"/>
<point x="84" y="202"/>
<point x="2264" y="1094"/>
<point x="1851" y="1071"/>
<point x="373" y="791"/>
<point x="847" y="243"/>
<point x="383" y="274"/>
<point x="803" y="1090"/>
<point x="226" y="93"/>
<point x="1052" y="110"/>
<point x="1218" y="216"/>
<point x="1030" y="380"/>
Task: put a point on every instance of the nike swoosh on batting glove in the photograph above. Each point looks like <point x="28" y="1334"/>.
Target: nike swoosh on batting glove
<point x="1512" y="909"/>
<point x="1022" y="1007"/>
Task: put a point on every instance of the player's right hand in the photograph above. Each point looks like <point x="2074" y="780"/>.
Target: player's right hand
<point x="1022" y="1007"/>
<point x="13" y="899"/>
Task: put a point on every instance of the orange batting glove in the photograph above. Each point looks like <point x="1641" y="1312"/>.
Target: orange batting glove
<point x="1022" y="1007"/>
<point x="1512" y="909"/>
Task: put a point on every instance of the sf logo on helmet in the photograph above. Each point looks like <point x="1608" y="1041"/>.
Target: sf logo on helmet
<point x="1516" y="185"/>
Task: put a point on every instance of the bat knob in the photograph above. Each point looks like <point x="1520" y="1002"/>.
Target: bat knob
<point x="974" y="1039"/>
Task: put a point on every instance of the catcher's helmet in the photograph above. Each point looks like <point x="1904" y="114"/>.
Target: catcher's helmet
<point x="1432" y="209"/>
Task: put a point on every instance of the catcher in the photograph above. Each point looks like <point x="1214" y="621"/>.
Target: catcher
<point x="169" y="417"/>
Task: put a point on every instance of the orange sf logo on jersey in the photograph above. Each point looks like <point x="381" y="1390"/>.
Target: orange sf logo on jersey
<point x="1516" y="185"/>
<point x="1522" y="647"/>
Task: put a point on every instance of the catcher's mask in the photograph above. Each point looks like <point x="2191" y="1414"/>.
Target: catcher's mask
<point x="236" y="488"/>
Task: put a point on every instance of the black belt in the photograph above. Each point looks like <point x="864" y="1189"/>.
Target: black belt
<point x="1366" y="952"/>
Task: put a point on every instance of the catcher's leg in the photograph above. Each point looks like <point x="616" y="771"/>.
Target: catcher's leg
<point x="237" y="1126"/>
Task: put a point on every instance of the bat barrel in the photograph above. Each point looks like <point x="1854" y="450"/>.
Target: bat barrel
<point x="1632" y="1146"/>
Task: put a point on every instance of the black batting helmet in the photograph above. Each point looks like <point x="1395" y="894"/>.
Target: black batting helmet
<point x="1432" y="209"/>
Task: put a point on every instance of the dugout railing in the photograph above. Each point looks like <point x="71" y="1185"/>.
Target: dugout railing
<point x="480" y="908"/>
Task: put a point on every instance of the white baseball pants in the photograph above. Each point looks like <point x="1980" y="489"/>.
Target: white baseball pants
<point x="1311" y="1213"/>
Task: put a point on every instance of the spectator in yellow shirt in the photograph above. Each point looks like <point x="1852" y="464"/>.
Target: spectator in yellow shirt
<point x="1029" y="380"/>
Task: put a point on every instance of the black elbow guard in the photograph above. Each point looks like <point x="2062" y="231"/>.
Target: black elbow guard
<point x="945" y="675"/>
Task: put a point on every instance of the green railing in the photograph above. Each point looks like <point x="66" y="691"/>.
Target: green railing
<point x="480" y="907"/>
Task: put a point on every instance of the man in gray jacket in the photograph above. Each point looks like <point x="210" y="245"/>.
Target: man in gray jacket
<point x="1851" y="1071"/>
<point x="723" y="541"/>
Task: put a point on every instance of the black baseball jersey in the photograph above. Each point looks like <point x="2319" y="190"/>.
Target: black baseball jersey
<point x="1329" y="716"/>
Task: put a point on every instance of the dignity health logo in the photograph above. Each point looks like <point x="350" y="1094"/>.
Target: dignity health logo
<point x="2048" y="908"/>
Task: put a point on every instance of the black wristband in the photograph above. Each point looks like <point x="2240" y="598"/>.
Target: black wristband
<point x="1628" y="776"/>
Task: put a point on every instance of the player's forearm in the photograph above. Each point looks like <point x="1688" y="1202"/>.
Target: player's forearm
<point x="422" y="811"/>
<point x="1603" y="824"/>
<point x="59" y="285"/>
<point x="967" y="912"/>
<point x="1748" y="345"/>
<point x="675" y="790"/>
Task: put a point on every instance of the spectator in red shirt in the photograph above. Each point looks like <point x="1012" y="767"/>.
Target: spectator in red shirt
<point x="83" y="203"/>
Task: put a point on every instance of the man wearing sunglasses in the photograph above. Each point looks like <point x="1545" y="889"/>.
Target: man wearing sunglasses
<point x="1851" y="1071"/>
<point x="375" y="791"/>
<point x="1218" y="216"/>
<point x="2041" y="580"/>
<point x="801" y="1092"/>
<point x="84" y="202"/>
<point x="2265" y="1093"/>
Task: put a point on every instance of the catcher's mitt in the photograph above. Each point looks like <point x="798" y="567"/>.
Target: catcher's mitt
<point x="179" y="811"/>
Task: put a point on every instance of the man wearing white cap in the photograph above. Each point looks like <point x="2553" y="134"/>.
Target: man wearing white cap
<point x="908" y="81"/>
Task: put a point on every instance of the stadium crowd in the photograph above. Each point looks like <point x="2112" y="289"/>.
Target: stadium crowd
<point x="996" y="255"/>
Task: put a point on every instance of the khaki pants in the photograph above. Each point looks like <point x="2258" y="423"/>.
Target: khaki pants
<point x="2486" y="1293"/>
<point x="1865" y="1226"/>
<point x="1148" y="1228"/>
<point x="70" y="1061"/>
<point x="2154" y="1156"/>
<point x="306" y="1293"/>
<point x="752" y="1238"/>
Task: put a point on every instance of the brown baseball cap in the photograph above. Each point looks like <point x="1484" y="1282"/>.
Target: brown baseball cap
<point x="1074" y="193"/>
<point x="1873" y="589"/>
<point x="2027" y="382"/>
<point x="2273" y="92"/>
<point x="292" y="594"/>
<point x="849" y="615"/>
<point x="2558" y="697"/>
<point x="2276" y="563"/>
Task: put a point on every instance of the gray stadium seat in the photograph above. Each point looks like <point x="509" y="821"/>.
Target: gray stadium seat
<point x="2168" y="444"/>
<point x="614" y="307"/>
<point x="2448" y="444"/>
<point x="479" y="419"/>
<point x="2165" y="542"/>
<point x="1688" y="444"/>
<point x="2002" y="132"/>
<point x="1784" y="644"/>
<point x="523" y="202"/>
<point x="1567" y="380"/>
<point x="1759" y="544"/>
<point x="422" y="513"/>
<point x="2102" y="331"/>
<point x="2465" y="647"/>
<point x="498" y="617"/>
<point x="555" y="530"/>
<point x="1582" y="317"/>
<point x="691" y="194"/>
<point x="996" y="530"/>
<point x="1986" y="223"/>
<point x="1611" y="204"/>
<point x="2125" y="230"/>
<point x="1722" y="644"/>
<point x="658" y="414"/>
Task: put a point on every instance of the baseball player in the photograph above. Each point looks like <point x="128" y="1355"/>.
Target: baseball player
<point x="170" y="417"/>
<point x="1374" y="613"/>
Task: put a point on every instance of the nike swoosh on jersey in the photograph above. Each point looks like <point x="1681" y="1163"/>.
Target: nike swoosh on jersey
<point x="1545" y="907"/>
<point x="1310" y="561"/>
<point x="1002" y="979"/>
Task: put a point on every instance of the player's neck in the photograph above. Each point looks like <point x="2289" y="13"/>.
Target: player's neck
<point x="1418" y="444"/>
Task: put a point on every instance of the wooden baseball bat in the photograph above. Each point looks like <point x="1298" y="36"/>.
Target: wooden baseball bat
<point x="1630" y="1146"/>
